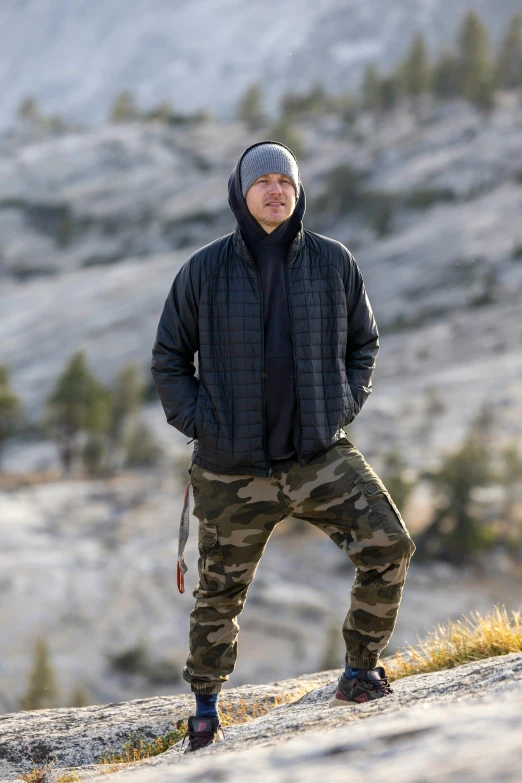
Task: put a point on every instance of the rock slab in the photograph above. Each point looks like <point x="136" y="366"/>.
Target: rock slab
<point x="464" y="723"/>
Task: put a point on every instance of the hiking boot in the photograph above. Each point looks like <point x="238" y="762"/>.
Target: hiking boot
<point x="201" y="732"/>
<point x="369" y="684"/>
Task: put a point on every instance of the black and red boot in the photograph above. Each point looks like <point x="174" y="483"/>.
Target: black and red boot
<point x="369" y="684"/>
<point x="201" y="732"/>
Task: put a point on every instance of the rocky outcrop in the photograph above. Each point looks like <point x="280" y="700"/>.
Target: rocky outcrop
<point x="463" y="723"/>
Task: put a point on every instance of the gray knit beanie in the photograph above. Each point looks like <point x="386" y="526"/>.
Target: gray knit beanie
<point x="269" y="158"/>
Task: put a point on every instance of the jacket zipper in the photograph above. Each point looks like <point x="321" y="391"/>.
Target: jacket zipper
<point x="263" y="365"/>
<point x="298" y="445"/>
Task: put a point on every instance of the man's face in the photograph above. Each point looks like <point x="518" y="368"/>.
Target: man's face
<point x="271" y="200"/>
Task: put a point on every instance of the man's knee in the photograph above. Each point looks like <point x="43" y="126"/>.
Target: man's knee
<point x="226" y="602"/>
<point x="405" y="546"/>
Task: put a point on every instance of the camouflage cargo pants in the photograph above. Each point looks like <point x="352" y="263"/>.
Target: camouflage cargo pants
<point x="340" y="494"/>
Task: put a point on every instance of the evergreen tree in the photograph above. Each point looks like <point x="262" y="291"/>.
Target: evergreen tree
<point x="346" y="105"/>
<point x="395" y="478"/>
<point x="79" y="697"/>
<point x="124" y="108"/>
<point x="163" y="112"/>
<point x="332" y="654"/>
<point x="445" y="78"/>
<point x="457" y="530"/>
<point x="10" y="408"/>
<point x="77" y="403"/>
<point x="41" y="691"/>
<point x="250" y="108"/>
<point x="511" y="477"/>
<point x="141" y="448"/>
<point x="475" y="68"/>
<point x="128" y="395"/>
<point x="371" y="88"/>
<point x="414" y="73"/>
<point x="315" y="101"/>
<point x="29" y="110"/>
<point x="509" y="65"/>
<point x="94" y="452"/>
<point x="389" y="93"/>
<point x="285" y="132"/>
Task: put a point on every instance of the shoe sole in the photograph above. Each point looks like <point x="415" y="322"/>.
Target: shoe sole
<point x="343" y="703"/>
<point x="340" y="703"/>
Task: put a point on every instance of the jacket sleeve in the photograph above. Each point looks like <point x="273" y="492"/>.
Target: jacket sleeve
<point x="177" y="340"/>
<point x="363" y="337"/>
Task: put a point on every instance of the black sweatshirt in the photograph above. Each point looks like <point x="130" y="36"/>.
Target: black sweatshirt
<point x="269" y="252"/>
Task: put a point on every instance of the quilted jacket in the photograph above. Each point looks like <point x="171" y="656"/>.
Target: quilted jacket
<point x="215" y="308"/>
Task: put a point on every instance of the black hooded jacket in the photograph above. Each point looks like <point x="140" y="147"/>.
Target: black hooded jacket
<point x="217" y="307"/>
<point x="269" y="252"/>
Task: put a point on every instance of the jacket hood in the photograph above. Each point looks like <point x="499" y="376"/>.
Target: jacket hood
<point x="253" y="233"/>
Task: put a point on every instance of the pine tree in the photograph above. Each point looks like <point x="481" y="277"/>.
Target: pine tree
<point x="141" y="447"/>
<point x="29" y="110"/>
<point x="457" y="530"/>
<point x="476" y="74"/>
<point x="41" y="691"/>
<point x="512" y="480"/>
<point x="250" y="108"/>
<point x="128" y="395"/>
<point x="163" y="112"/>
<point x="332" y="655"/>
<point x="396" y="479"/>
<point x="77" y="403"/>
<point x="124" y="108"/>
<point x="371" y="88"/>
<point x="414" y="73"/>
<point x="445" y="79"/>
<point x="10" y="407"/>
<point x="509" y="65"/>
<point x="285" y="132"/>
<point x="315" y="101"/>
<point x="389" y="93"/>
<point x="79" y="696"/>
<point x="97" y="427"/>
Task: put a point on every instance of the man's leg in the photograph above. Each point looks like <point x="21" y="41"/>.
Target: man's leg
<point x="236" y="517"/>
<point x="342" y="495"/>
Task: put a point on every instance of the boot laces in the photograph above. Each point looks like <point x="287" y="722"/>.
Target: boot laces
<point x="201" y="739"/>
<point x="380" y="685"/>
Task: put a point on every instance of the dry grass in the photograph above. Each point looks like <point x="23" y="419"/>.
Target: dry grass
<point x="461" y="641"/>
<point x="231" y="713"/>
<point x="138" y="748"/>
<point x="45" y="775"/>
<point x="38" y="774"/>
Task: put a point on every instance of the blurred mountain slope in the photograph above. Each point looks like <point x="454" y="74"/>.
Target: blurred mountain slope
<point x="96" y="224"/>
<point x="75" y="56"/>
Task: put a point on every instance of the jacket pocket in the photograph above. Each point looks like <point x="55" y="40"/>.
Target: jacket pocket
<point x="201" y="410"/>
<point x="348" y="399"/>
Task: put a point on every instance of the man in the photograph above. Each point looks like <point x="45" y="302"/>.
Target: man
<point x="287" y="342"/>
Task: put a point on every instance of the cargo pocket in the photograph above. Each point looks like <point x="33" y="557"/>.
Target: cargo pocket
<point x="211" y="566"/>
<point x="382" y="507"/>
